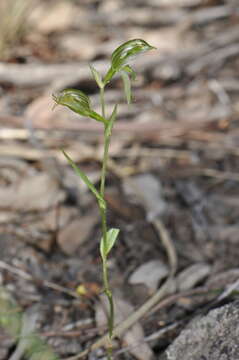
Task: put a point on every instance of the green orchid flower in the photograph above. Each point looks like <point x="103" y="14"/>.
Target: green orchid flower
<point x="78" y="102"/>
<point x="121" y="57"/>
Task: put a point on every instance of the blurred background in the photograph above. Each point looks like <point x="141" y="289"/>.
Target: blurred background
<point x="177" y="143"/>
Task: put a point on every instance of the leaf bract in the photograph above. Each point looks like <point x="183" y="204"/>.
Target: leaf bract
<point x="127" y="86"/>
<point x="105" y="247"/>
<point x="130" y="71"/>
<point x="96" y="76"/>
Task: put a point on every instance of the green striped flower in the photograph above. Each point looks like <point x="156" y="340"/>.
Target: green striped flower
<point x="124" y="54"/>
<point x="78" y="102"/>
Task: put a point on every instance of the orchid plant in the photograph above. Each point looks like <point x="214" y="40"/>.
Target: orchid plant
<point x="79" y="102"/>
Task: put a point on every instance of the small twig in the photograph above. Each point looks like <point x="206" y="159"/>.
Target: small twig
<point x="168" y="244"/>
<point x="220" y="92"/>
<point x="69" y="334"/>
<point x="215" y="57"/>
<point x="216" y="174"/>
<point x="229" y="290"/>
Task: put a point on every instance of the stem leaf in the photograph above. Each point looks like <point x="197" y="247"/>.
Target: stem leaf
<point x="105" y="247"/>
<point x="111" y="122"/>
<point x="86" y="180"/>
<point x="129" y="70"/>
<point x="127" y="86"/>
<point x="96" y="76"/>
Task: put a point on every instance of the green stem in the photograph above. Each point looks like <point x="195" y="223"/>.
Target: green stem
<point x="111" y="72"/>
<point x="104" y="228"/>
<point x="102" y="101"/>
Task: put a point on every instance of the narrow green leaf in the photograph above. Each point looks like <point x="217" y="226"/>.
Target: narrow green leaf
<point x="110" y="73"/>
<point x="127" y="86"/>
<point x="111" y="121"/>
<point x="86" y="180"/>
<point x="96" y="76"/>
<point x="78" y="102"/>
<point x="111" y="237"/>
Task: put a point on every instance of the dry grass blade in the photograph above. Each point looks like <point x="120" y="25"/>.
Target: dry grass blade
<point x="13" y="23"/>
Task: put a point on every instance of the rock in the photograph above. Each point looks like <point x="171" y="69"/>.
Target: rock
<point x="211" y="337"/>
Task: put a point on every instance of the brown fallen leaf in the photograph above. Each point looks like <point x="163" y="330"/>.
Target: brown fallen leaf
<point x="221" y="279"/>
<point x="57" y="218"/>
<point x="149" y="274"/>
<point x="192" y="275"/>
<point x="32" y="193"/>
<point x="82" y="46"/>
<point x="146" y="190"/>
<point x="77" y="232"/>
<point x="52" y="17"/>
